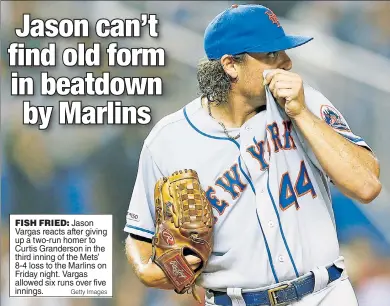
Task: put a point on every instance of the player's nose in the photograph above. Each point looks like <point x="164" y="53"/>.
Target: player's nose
<point x="285" y="61"/>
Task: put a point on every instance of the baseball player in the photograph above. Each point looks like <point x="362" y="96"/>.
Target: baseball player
<point x="274" y="244"/>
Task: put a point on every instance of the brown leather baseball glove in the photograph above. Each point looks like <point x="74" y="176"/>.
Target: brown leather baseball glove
<point x="184" y="226"/>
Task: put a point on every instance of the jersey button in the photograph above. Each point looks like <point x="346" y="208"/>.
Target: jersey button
<point x="271" y="224"/>
<point x="248" y="128"/>
<point x="281" y="258"/>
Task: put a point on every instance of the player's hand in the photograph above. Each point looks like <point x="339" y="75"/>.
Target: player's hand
<point x="287" y="88"/>
<point x="193" y="261"/>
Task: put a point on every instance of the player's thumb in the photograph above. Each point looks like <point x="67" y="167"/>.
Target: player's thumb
<point x="194" y="261"/>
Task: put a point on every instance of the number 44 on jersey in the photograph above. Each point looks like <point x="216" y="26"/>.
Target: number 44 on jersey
<point x="288" y="193"/>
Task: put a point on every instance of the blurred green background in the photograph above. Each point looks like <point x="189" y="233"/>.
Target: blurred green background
<point x="91" y="169"/>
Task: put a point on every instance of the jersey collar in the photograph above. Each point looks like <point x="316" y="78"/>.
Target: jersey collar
<point x="201" y="122"/>
<point x="199" y="119"/>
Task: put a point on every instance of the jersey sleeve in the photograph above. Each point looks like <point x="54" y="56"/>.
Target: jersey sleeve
<point x="140" y="218"/>
<point x="321" y="107"/>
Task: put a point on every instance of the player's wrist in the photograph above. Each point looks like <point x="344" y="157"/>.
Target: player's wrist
<point x="304" y="114"/>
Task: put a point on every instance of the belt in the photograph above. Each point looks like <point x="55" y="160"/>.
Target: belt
<point x="279" y="296"/>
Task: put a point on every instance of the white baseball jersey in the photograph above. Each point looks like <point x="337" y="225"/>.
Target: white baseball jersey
<point x="263" y="234"/>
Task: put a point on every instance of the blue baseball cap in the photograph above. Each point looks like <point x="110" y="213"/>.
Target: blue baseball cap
<point x="247" y="28"/>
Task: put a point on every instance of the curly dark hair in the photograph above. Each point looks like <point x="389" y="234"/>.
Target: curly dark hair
<point x="213" y="82"/>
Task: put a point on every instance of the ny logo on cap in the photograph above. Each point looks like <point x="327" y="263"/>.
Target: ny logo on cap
<point x="272" y="17"/>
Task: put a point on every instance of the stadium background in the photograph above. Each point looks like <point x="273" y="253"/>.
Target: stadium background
<point x="91" y="169"/>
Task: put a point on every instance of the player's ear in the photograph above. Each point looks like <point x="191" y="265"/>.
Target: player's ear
<point x="230" y="67"/>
